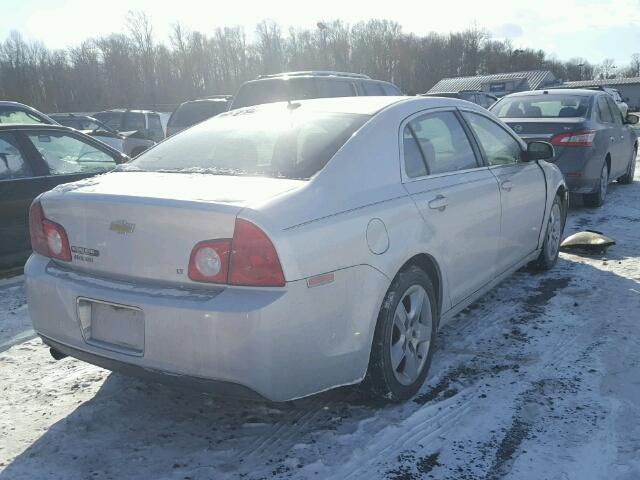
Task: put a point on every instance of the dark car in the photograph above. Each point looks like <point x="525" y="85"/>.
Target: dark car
<point x="312" y="84"/>
<point x="594" y="143"/>
<point x="478" y="97"/>
<point x="146" y="122"/>
<point x="195" y="111"/>
<point x="34" y="159"/>
<point x="19" y="113"/>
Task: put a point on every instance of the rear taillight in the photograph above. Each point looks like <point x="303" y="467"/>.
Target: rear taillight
<point x="249" y="259"/>
<point x="209" y="261"/>
<point x="574" y="139"/>
<point x="254" y="260"/>
<point x="47" y="238"/>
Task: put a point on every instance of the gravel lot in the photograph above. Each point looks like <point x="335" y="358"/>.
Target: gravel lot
<point x="540" y="379"/>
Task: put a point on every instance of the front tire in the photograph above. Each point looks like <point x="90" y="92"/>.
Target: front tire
<point x="403" y="342"/>
<point x="597" y="199"/>
<point x="627" y="178"/>
<point x="553" y="235"/>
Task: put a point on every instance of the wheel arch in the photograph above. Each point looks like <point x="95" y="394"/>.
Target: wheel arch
<point x="430" y="266"/>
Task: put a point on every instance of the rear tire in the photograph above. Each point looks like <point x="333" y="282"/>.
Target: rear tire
<point x="403" y="343"/>
<point x="627" y="178"/>
<point x="552" y="237"/>
<point x="597" y="199"/>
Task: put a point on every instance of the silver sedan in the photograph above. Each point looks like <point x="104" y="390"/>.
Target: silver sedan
<point x="289" y="248"/>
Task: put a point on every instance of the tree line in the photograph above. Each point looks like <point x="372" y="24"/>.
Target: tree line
<point x="134" y="69"/>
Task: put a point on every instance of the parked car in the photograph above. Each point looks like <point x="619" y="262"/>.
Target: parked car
<point x="594" y="143"/>
<point x="195" y="111"/>
<point x="19" y="113"/>
<point x="330" y="241"/>
<point x="33" y="159"/>
<point x="146" y="122"/>
<point x="620" y="102"/>
<point x="476" y="96"/>
<point x="131" y="143"/>
<point x="305" y="85"/>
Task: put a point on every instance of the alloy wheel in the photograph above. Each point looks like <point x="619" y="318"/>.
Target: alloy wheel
<point x="411" y="335"/>
<point x="604" y="182"/>
<point x="554" y="231"/>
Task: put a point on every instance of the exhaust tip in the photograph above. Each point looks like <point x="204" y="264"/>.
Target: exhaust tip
<point x="57" y="354"/>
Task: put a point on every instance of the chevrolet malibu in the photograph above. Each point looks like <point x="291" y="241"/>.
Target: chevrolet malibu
<point x="289" y="248"/>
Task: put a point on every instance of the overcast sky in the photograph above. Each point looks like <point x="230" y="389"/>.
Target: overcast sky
<point x="594" y="29"/>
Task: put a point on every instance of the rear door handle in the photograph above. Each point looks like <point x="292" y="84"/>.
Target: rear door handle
<point x="507" y="185"/>
<point x="439" y="203"/>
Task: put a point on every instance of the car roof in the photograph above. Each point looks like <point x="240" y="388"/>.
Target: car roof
<point x="317" y="73"/>
<point x="206" y="100"/>
<point x="123" y="110"/>
<point x="556" y="91"/>
<point x="364" y="105"/>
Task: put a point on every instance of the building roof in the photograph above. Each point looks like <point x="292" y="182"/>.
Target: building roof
<point x="532" y="79"/>
<point x="603" y="83"/>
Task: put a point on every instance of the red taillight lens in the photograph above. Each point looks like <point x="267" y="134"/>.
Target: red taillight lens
<point x="209" y="261"/>
<point x="574" y="139"/>
<point x="47" y="238"/>
<point x="254" y="260"/>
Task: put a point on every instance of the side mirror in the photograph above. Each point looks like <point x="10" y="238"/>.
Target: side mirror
<point x="537" y="150"/>
<point x="632" y="119"/>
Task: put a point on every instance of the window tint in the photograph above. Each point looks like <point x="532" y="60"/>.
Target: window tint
<point x="441" y="141"/>
<point x="10" y="115"/>
<point x="65" y="154"/>
<point x="389" y="89"/>
<point x="603" y="110"/>
<point x="372" y="88"/>
<point x="334" y="88"/>
<point x="12" y="163"/>
<point x="615" y="111"/>
<point x="542" y="106"/>
<point x="189" y="114"/>
<point x="134" y="121"/>
<point x="273" y="142"/>
<point x="499" y="147"/>
<point x="111" y="119"/>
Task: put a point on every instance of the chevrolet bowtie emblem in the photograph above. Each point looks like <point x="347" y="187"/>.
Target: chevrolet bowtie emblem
<point x="122" y="227"/>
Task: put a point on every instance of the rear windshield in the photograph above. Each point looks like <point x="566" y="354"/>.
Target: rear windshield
<point x="274" y="142"/>
<point x="111" y="119"/>
<point x="274" y="90"/>
<point x="189" y="114"/>
<point x="542" y="106"/>
<point x="11" y="115"/>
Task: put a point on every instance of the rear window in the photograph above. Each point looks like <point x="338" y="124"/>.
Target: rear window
<point x="276" y="142"/>
<point x="111" y="119"/>
<point x="189" y="114"/>
<point x="11" y="115"/>
<point x="275" y="90"/>
<point x="542" y="106"/>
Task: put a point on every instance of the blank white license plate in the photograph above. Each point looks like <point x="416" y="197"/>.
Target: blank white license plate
<point x="112" y="326"/>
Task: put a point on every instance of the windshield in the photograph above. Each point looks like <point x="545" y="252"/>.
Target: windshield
<point x="191" y="113"/>
<point x="542" y="106"/>
<point x="275" y="142"/>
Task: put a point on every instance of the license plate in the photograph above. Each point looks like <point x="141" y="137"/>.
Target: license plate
<point x="112" y="326"/>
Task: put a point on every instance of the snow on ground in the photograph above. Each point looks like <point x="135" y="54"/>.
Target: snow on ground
<point x="540" y="379"/>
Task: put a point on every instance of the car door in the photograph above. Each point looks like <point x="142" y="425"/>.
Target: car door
<point x="20" y="183"/>
<point x="457" y="197"/>
<point x="522" y="188"/>
<point x="607" y="131"/>
<point x="621" y="149"/>
<point x="69" y="157"/>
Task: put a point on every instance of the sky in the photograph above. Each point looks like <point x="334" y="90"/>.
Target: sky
<point x="593" y="29"/>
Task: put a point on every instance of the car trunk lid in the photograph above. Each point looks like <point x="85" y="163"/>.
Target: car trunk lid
<point x="143" y="225"/>
<point x="545" y="129"/>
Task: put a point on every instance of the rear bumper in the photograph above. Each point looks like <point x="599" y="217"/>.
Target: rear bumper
<point x="581" y="168"/>
<point x="280" y="343"/>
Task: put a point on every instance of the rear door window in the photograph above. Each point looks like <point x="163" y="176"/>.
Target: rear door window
<point x="616" y="114"/>
<point x="133" y="121"/>
<point x="65" y="154"/>
<point x="12" y="163"/>
<point x="603" y="110"/>
<point x="441" y="141"/>
<point x="155" y="127"/>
